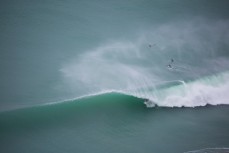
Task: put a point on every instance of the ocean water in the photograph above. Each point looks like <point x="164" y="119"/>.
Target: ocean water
<point x="113" y="123"/>
<point x="114" y="76"/>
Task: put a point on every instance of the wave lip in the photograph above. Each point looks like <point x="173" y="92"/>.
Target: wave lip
<point x="211" y="90"/>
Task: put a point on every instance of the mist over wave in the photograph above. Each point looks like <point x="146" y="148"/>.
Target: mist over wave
<point x="198" y="47"/>
<point x="209" y="90"/>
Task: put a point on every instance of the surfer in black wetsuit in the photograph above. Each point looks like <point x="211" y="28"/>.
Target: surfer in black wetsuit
<point x="169" y="66"/>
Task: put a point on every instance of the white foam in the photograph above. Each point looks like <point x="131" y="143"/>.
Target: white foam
<point x="210" y="150"/>
<point x="209" y="90"/>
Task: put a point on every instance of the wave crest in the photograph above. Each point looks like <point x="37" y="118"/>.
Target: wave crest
<point x="212" y="90"/>
<point x="209" y="90"/>
<point x="210" y="150"/>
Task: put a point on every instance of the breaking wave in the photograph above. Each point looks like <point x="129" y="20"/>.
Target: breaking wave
<point x="210" y="90"/>
<point x="210" y="150"/>
<point x="172" y="65"/>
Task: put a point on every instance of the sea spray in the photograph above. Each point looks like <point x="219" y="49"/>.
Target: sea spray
<point x="123" y="65"/>
<point x="208" y="90"/>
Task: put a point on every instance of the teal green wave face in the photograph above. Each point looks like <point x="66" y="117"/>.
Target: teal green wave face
<point x="113" y="122"/>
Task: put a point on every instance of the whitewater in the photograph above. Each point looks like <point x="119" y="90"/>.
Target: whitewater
<point x="210" y="90"/>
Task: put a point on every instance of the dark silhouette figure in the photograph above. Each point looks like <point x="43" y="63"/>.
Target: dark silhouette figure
<point x="169" y="66"/>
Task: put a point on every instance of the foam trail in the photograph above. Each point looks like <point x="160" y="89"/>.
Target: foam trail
<point x="210" y="150"/>
<point x="81" y="97"/>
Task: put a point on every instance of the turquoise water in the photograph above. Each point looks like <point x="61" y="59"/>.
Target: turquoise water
<point x="114" y="76"/>
<point x="113" y="123"/>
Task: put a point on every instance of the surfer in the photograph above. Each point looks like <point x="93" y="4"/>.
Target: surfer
<point x="169" y="66"/>
<point x="174" y="67"/>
